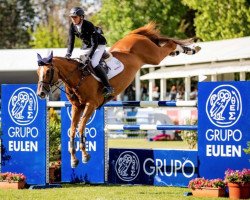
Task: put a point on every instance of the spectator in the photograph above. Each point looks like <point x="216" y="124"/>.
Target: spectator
<point x="144" y="92"/>
<point x="194" y="93"/>
<point x="173" y="93"/>
<point x="129" y="93"/>
<point x="156" y="94"/>
<point x="180" y="92"/>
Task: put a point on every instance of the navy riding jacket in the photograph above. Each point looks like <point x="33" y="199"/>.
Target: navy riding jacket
<point x="89" y="36"/>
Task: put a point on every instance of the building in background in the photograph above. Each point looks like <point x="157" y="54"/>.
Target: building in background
<point x="217" y="61"/>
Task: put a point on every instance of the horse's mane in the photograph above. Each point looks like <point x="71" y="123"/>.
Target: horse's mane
<point x="71" y="60"/>
<point x="154" y="35"/>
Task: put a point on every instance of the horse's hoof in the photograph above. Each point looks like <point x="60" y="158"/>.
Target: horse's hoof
<point x="85" y="158"/>
<point x="197" y="49"/>
<point x="74" y="163"/>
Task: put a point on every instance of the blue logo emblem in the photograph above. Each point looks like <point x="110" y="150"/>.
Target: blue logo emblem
<point x="224" y="106"/>
<point x="23" y="106"/>
<point x="127" y="166"/>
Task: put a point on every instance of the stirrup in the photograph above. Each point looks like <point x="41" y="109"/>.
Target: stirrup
<point x="108" y="91"/>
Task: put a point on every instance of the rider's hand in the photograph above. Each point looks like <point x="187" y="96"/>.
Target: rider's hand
<point x="68" y="56"/>
<point x="87" y="60"/>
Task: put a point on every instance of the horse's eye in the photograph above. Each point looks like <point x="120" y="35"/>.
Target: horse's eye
<point x="47" y="72"/>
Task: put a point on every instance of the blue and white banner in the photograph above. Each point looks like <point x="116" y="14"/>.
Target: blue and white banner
<point x="152" y="167"/>
<point x="24" y="132"/>
<point x="93" y="171"/>
<point x="224" y="127"/>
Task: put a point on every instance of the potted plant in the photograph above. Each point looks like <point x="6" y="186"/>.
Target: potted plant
<point x="202" y="187"/>
<point x="11" y="180"/>
<point x="238" y="182"/>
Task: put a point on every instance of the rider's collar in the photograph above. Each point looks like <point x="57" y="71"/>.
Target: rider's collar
<point x="79" y="26"/>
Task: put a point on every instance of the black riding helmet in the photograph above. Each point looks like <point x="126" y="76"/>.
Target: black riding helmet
<point x="76" y="11"/>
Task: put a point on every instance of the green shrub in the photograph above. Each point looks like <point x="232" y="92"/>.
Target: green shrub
<point x="54" y="136"/>
<point x="190" y="136"/>
<point x="247" y="150"/>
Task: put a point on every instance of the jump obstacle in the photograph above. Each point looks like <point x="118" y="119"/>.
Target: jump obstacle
<point x="223" y="110"/>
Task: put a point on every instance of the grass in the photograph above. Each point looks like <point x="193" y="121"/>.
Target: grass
<point x="144" y="143"/>
<point x="109" y="192"/>
<point x="86" y="192"/>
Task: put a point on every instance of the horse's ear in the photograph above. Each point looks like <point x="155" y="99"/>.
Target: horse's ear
<point x="50" y="57"/>
<point x="39" y="57"/>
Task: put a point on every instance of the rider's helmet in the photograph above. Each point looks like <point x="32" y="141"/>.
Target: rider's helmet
<point x="76" y="11"/>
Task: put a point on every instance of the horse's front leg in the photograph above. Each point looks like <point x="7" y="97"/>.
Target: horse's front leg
<point x="76" y="114"/>
<point x="87" y="113"/>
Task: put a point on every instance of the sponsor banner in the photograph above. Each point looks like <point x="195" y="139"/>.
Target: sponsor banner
<point x="24" y="132"/>
<point x="152" y="167"/>
<point x="93" y="171"/>
<point x="223" y="127"/>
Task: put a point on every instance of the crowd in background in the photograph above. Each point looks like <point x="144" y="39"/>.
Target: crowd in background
<point x="175" y="93"/>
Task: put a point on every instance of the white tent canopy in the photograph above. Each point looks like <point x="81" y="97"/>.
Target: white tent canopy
<point x="215" y="51"/>
<point x="197" y="70"/>
<point x="26" y="59"/>
<point x="20" y="65"/>
<point x="216" y="57"/>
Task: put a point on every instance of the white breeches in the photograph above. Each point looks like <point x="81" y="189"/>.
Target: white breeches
<point x="98" y="55"/>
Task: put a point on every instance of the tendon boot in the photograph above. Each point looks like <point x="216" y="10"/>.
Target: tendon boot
<point x="100" y="72"/>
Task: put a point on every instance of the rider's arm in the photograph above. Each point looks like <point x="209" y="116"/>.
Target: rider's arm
<point x="94" y="37"/>
<point x="71" y="40"/>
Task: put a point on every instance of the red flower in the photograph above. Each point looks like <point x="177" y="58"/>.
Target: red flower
<point x="12" y="177"/>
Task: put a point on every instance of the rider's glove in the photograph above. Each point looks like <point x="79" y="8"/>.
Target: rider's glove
<point x="88" y="60"/>
<point x="68" y="55"/>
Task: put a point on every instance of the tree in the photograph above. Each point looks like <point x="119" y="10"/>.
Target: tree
<point x="117" y="18"/>
<point x="216" y="20"/>
<point x="48" y="36"/>
<point x="16" y="17"/>
<point x="53" y="26"/>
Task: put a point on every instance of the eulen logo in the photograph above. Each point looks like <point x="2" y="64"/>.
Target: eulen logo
<point x="127" y="166"/>
<point x="23" y="106"/>
<point x="69" y="110"/>
<point x="224" y="106"/>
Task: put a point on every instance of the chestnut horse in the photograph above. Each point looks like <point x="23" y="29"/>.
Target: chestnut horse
<point x="142" y="46"/>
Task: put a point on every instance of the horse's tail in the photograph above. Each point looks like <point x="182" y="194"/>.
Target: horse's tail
<point x="154" y="35"/>
<point x="149" y="30"/>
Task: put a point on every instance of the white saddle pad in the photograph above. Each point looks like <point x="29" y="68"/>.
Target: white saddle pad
<point x="115" y="65"/>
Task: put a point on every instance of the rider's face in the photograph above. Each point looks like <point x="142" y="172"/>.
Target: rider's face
<point x="76" y="20"/>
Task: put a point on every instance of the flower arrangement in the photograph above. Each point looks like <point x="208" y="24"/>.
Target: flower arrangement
<point x="56" y="164"/>
<point x="237" y="176"/>
<point x="199" y="183"/>
<point x="11" y="177"/>
<point x="202" y="187"/>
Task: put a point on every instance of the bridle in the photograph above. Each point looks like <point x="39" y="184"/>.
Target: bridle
<point x="50" y="83"/>
<point x="51" y="76"/>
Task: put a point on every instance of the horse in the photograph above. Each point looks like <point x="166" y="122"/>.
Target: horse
<point x="144" y="45"/>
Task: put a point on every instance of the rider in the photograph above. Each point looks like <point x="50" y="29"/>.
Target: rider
<point x="91" y="39"/>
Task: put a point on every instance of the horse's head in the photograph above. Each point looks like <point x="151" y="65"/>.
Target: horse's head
<point x="47" y="74"/>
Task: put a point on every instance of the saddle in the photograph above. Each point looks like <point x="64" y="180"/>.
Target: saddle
<point x="87" y="69"/>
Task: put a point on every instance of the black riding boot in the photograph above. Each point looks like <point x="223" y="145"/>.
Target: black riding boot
<point x="108" y="90"/>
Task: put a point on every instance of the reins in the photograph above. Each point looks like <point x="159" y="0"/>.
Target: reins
<point x="66" y="81"/>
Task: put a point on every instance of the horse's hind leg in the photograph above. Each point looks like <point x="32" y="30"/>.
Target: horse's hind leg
<point x="88" y="111"/>
<point x="76" y="114"/>
<point x="186" y="50"/>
